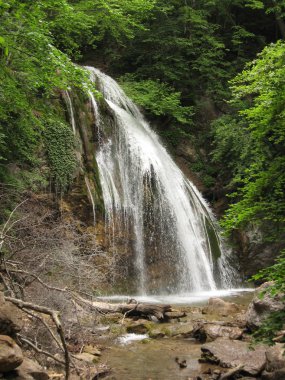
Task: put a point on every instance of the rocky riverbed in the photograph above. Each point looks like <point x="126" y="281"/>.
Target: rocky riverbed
<point x="211" y="342"/>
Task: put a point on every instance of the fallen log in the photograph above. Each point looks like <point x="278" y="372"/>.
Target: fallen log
<point x="130" y="309"/>
<point x="135" y="309"/>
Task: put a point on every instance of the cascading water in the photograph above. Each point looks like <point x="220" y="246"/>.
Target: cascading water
<point x="70" y="110"/>
<point x="147" y="196"/>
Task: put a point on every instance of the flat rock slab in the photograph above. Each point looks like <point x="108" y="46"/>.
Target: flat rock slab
<point x="231" y="353"/>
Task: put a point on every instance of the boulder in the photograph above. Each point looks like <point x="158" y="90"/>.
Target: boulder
<point x="231" y="353"/>
<point x="276" y="375"/>
<point x="217" y="306"/>
<point x="93" y="350"/>
<point x="10" y="354"/>
<point x="86" y="357"/>
<point x="261" y="306"/>
<point x="28" y="370"/>
<point x="140" y="326"/>
<point x="156" y="334"/>
<point x="207" y="332"/>
<point x="275" y="363"/>
<point x="174" y="314"/>
<point x="275" y="358"/>
<point x="184" y="330"/>
<point x="10" y="317"/>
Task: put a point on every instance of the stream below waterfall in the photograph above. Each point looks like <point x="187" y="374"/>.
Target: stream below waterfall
<point x="155" y="360"/>
<point x="137" y="357"/>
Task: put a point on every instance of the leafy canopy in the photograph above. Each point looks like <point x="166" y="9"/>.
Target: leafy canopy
<point x="158" y="98"/>
<point x="38" y="40"/>
<point x="258" y="167"/>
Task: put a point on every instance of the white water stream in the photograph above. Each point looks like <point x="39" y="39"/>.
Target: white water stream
<point x="146" y="193"/>
<point x="70" y="110"/>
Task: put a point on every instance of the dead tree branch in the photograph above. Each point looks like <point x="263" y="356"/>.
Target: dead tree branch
<point x="55" y="317"/>
<point x="39" y="350"/>
<point x="46" y="326"/>
<point x="38" y="279"/>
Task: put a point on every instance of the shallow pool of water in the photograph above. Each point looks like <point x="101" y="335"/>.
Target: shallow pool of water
<point x="155" y="360"/>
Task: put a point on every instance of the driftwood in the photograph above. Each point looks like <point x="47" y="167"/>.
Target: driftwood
<point x="161" y="312"/>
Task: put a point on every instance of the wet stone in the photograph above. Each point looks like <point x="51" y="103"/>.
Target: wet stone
<point x="231" y="353"/>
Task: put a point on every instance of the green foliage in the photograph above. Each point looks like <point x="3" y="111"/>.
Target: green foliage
<point x="253" y="143"/>
<point x="31" y="75"/>
<point x="179" y="48"/>
<point x="267" y="331"/>
<point x="232" y="146"/>
<point x="174" y="135"/>
<point x="276" y="6"/>
<point x="117" y="18"/>
<point x="158" y="98"/>
<point x="59" y="142"/>
<point x="275" y="273"/>
<point x="37" y="41"/>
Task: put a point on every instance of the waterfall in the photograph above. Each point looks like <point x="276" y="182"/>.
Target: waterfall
<point x="146" y="195"/>
<point x="70" y="110"/>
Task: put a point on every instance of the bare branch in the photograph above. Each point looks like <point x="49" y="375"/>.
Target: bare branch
<point x="7" y="286"/>
<point x="8" y="220"/>
<point x="46" y="326"/>
<point x="38" y="279"/>
<point x="37" y="349"/>
<point x="55" y="317"/>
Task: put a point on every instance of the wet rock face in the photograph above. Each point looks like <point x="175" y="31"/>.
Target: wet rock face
<point x="217" y="306"/>
<point x="10" y="354"/>
<point x="252" y="252"/>
<point x="10" y="317"/>
<point x="260" y="307"/>
<point x="231" y="353"/>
